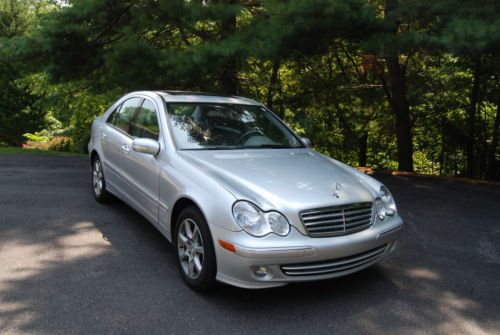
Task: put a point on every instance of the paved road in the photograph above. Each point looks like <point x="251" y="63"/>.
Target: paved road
<point x="70" y="265"/>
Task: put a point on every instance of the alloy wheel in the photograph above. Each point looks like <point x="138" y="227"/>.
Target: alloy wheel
<point x="97" y="177"/>
<point x="190" y="248"/>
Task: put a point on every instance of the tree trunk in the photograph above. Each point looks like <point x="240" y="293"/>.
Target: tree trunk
<point x="442" y="152"/>
<point x="229" y="76"/>
<point x="362" y="149"/>
<point x="272" y="84"/>
<point x="492" y="166"/>
<point x="471" y="118"/>
<point x="401" y="108"/>
<point x="398" y="99"/>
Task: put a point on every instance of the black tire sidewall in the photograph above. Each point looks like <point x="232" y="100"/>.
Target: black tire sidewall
<point x="206" y="280"/>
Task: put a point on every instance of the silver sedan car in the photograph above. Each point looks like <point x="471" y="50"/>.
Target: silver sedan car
<point x="242" y="198"/>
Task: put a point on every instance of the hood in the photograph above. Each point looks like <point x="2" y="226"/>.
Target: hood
<point x="284" y="178"/>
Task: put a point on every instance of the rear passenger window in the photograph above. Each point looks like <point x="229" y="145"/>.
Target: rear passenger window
<point x="145" y="123"/>
<point x="126" y="113"/>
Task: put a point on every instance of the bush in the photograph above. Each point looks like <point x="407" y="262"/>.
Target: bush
<point x="60" y="143"/>
<point x="36" y="145"/>
<point x="39" y="136"/>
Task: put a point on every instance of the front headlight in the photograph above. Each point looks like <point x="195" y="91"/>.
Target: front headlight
<point x="258" y="223"/>
<point x="386" y="206"/>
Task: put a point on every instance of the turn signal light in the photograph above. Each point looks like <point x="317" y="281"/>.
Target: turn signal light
<point x="228" y="246"/>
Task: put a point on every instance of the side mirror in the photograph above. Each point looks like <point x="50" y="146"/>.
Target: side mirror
<point x="146" y="146"/>
<point x="306" y="141"/>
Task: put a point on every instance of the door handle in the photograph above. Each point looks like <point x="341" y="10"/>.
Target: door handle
<point x="104" y="135"/>
<point x="125" y="149"/>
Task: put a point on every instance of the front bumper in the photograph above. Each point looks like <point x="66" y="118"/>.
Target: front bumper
<point x="323" y="257"/>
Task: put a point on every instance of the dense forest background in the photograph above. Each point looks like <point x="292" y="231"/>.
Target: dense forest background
<point x="394" y="84"/>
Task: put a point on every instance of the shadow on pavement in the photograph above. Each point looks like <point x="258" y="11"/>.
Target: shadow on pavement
<point x="70" y="265"/>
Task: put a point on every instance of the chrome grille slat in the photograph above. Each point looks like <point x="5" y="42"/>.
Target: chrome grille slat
<point x="355" y="215"/>
<point x="312" y="224"/>
<point x="360" y="220"/>
<point x="332" y="209"/>
<point x="327" y="229"/>
<point x="326" y="215"/>
<point x="354" y="218"/>
<point x="336" y="213"/>
<point x="338" y="220"/>
<point x="369" y="214"/>
<point x="349" y="212"/>
<point x="332" y="266"/>
<point x="326" y="218"/>
<point x="337" y="228"/>
<point x="351" y="224"/>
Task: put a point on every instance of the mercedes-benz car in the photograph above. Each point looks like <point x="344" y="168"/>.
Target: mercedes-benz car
<point x="242" y="198"/>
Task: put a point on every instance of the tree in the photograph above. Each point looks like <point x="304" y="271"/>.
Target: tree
<point x="385" y="83"/>
<point x="18" y="114"/>
<point x="472" y="32"/>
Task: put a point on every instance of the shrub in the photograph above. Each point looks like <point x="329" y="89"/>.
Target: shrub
<point x="36" y="145"/>
<point x="60" y="143"/>
<point x="39" y="136"/>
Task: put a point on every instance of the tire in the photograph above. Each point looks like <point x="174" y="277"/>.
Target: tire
<point x="196" y="261"/>
<point x="98" y="181"/>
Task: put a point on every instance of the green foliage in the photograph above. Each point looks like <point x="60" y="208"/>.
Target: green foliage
<point x="322" y="65"/>
<point x="85" y="107"/>
<point x="38" y="136"/>
<point x="17" y="112"/>
<point x="60" y="143"/>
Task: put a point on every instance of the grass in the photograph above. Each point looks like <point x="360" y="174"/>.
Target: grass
<point x="23" y="151"/>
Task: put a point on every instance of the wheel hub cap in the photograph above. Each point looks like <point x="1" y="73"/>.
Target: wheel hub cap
<point x="190" y="248"/>
<point x="97" y="177"/>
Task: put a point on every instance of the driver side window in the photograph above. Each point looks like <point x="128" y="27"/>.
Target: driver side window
<point x="112" y="117"/>
<point x="123" y="118"/>
<point x="145" y="122"/>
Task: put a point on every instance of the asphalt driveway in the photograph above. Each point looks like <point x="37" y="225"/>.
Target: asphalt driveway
<point x="70" y="265"/>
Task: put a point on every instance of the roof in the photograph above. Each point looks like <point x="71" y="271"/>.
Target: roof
<point x="187" y="96"/>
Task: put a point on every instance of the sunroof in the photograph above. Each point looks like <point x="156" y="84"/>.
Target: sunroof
<point x="193" y="93"/>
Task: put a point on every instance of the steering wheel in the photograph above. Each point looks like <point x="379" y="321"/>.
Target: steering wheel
<point x="250" y="132"/>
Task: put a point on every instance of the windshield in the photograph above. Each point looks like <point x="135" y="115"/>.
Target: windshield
<point x="226" y="126"/>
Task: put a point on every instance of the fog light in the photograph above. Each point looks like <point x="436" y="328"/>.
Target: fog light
<point x="261" y="271"/>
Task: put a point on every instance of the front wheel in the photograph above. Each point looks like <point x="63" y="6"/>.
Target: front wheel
<point x="195" y="250"/>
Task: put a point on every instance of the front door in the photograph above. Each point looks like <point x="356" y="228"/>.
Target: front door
<point x="113" y="136"/>
<point x="142" y="171"/>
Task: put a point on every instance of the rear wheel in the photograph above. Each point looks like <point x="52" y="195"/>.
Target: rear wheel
<point x="195" y="250"/>
<point x="98" y="182"/>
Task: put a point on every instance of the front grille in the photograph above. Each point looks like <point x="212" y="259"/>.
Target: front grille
<point x="338" y="220"/>
<point x="335" y="265"/>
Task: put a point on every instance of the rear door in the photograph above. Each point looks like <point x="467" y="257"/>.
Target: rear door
<point x="114" y="141"/>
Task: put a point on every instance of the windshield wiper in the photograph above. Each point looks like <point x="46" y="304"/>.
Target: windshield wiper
<point x="242" y="147"/>
<point x="268" y="146"/>
<point x="225" y="147"/>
